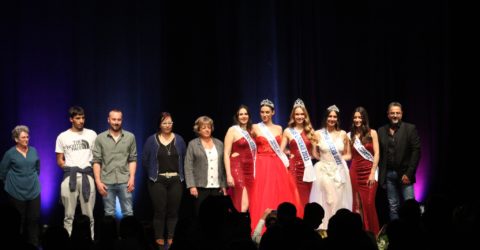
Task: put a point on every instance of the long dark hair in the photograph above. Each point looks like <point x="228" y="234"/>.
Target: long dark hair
<point x="364" y="128"/>
<point x="325" y="118"/>
<point x="237" y="122"/>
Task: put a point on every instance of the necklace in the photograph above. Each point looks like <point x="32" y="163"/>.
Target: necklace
<point x="168" y="148"/>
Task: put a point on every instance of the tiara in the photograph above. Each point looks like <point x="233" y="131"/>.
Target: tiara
<point x="268" y="103"/>
<point x="299" y="103"/>
<point x="333" y="108"/>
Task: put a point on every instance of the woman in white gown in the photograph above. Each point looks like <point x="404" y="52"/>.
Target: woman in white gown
<point x="332" y="188"/>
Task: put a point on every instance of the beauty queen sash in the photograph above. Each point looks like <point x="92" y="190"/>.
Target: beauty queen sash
<point x="363" y="152"/>
<point x="309" y="172"/>
<point x="331" y="145"/>
<point x="273" y="143"/>
<point x="251" y="144"/>
<point x="338" y="177"/>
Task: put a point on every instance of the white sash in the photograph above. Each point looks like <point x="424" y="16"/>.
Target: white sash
<point x="363" y="152"/>
<point x="251" y="144"/>
<point x="331" y="146"/>
<point x="339" y="176"/>
<point x="273" y="143"/>
<point x="309" y="172"/>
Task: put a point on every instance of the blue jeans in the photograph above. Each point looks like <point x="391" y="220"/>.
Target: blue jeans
<point x="394" y="189"/>
<point x="124" y="197"/>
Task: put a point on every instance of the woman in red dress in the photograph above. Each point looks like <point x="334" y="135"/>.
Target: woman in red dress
<point x="273" y="184"/>
<point x="365" y="156"/>
<point x="299" y="136"/>
<point x="239" y="153"/>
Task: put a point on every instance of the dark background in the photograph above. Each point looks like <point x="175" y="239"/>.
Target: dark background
<point x="208" y="57"/>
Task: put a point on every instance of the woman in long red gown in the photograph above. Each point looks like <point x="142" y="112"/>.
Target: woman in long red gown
<point x="273" y="184"/>
<point x="300" y="131"/>
<point x="365" y="156"/>
<point x="239" y="152"/>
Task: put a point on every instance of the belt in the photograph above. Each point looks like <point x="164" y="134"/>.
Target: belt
<point x="169" y="174"/>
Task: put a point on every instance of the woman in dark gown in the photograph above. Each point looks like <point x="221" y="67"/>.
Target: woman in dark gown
<point x="365" y="156"/>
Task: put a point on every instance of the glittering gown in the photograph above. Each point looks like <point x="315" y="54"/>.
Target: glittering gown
<point x="332" y="188"/>
<point x="241" y="167"/>
<point x="273" y="183"/>
<point x="297" y="169"/>
<point x="363" y="196"/>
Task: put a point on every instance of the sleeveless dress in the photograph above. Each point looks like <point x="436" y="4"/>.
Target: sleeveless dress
<point x="241" y="167"/>
<point x="332" y="188"/>
<point x="273" y="184"/>
<point x="297" y="169"/>
<point x="363" y="196"/>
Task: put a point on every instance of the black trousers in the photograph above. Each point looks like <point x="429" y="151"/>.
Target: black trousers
<point x="166" y="194"/>
<point x="30" y="217"/>
<point x="203" y="193"/>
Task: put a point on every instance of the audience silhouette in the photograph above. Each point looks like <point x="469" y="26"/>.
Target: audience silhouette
<point x="220" y="226"/>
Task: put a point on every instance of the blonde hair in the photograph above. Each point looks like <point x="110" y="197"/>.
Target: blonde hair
<point x="307" y="124"/>
<point x="202" y="120"/>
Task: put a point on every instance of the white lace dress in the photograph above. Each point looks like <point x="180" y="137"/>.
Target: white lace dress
<point x="332" y="188"/>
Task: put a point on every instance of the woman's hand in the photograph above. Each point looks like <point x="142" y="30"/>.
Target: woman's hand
<point x="230" y="181"/>
<point x="371" y="180"/>
<point x="194" y="192"/>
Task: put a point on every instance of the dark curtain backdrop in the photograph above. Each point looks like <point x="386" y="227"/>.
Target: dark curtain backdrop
<point x="208" y="57"/>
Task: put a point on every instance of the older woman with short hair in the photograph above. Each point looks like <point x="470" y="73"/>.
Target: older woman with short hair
<point x="204" y="167"/>
<point x="19" y="170"/>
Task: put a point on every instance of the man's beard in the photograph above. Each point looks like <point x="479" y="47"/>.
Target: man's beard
<point x="116" y="128"/>
<point x="394" y="125"/>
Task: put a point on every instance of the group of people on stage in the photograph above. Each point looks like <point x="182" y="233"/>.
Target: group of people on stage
<point x="259" y="165"/>
<point x="267" y="166"/>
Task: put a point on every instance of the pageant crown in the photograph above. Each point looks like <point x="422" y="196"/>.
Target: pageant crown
<point x="333" y="108"/>
<point x="268" y="103"/>
<point x="299" y="103"/>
